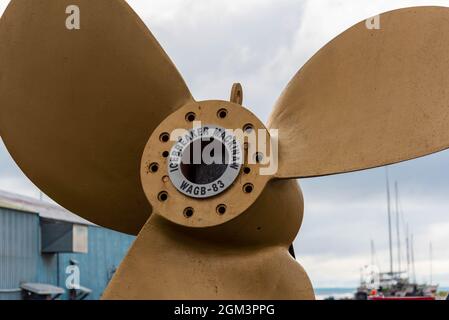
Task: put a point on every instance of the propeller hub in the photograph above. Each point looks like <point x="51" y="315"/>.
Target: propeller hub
<point x="199" y="168"/>
<point x="205" y="161"/>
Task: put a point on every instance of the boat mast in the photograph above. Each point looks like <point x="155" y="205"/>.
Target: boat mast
<point x="431" y="262"/>
<point x="412" y="250"/>
<point x="389" y="220"/>
<point x="398" y="225"/>
<point x="407" y="244"/>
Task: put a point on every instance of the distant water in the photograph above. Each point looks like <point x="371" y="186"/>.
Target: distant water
<point x="337" y="293"/>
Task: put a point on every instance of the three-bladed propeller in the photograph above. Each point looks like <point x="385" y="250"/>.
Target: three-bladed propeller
<point x="78" y="108"/>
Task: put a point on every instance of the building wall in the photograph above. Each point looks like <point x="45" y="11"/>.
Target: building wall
<point x="21" y="259"/>
<point x="19" y="251"/>
<point x="106" y="250"/>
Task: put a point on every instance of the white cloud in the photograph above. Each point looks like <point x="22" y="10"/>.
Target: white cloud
<point x="3" y="4"/>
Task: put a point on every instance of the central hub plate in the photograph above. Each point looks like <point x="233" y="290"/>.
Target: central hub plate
<point x="197" y="168"/>
<point x="205" y="161"/>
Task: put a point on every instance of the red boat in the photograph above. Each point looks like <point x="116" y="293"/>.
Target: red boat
<point x="380" y="298"/>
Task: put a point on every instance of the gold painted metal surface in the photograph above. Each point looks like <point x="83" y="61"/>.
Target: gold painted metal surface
<point x="246" y="258"/>
<point x="369" y="98"/>
<point x="234" y="199"/>
<point x="78" y="106"/>
<point x="237" y="94"/>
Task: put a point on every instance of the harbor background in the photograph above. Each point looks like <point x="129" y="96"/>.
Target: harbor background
<point x="344" y="293"/>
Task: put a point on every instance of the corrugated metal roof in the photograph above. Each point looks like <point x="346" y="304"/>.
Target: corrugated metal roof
<point x="44" y="209"/>
<point x="42" y="288"/>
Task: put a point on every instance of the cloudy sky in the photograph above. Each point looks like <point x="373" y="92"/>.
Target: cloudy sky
<point x="262" y="44"/>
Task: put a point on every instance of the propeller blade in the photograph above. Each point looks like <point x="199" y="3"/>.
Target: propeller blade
<point x="246" y="258"/>
<point x="78" y="105"/>
<point x="369" y="98"/>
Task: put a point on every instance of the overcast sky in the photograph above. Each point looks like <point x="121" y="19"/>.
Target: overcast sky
<point x="262" y="44"/>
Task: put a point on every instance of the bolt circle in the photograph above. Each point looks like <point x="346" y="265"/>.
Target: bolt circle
<point x="258" y="157"/>
<point x="222" y="113"/>
<point x="163" y="196"/>
<point x="188" y="212"/>
<point x="190" y="117"/>
<point x="164" y="137"/>
<point x="248" y="128"/>
<point x="248" y="188"/>
<point x="221" y="209"/>
<point x="181" y="207"/>
<point x="154" y="167"/>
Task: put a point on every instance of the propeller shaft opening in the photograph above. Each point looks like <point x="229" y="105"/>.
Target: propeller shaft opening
<point x="209" y="166"/>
